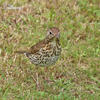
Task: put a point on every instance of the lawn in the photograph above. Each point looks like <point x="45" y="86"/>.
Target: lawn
<point x="76" y="75"/>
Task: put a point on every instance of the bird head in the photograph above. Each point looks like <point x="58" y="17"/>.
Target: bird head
<point x="53" y="33"/>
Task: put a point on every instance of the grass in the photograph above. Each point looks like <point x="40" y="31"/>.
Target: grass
<point x="76" y="76"/>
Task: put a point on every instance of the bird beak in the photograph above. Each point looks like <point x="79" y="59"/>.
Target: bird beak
<point x="57" y="35"/>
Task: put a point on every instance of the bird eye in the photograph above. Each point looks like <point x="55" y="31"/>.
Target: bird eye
<point x="50" y="32"/>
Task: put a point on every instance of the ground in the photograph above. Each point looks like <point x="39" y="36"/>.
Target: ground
<point x="76" y="76"/>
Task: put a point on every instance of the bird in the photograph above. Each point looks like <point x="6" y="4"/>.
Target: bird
<point x="47" y="51"/>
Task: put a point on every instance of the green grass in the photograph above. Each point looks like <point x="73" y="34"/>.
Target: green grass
<point x="76" y="76"/>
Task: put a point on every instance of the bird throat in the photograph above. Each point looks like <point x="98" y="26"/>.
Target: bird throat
<point x="49" y="39"/>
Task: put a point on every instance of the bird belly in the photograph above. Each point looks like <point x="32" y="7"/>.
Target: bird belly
<point x="43" y="61"/>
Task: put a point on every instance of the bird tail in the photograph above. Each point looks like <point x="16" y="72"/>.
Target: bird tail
<point x="20" y="52"/>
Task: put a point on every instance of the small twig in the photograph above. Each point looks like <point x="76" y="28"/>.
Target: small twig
<point x="11" y="7"/>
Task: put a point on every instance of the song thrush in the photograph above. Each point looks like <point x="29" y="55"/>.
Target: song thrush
<point x="47" y="51"/>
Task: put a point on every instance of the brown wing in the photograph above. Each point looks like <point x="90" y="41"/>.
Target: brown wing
<point x="35" y="48"/>
<point x="42" y="44"/>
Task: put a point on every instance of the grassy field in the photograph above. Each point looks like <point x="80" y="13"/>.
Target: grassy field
<point x="76" y="76"/>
